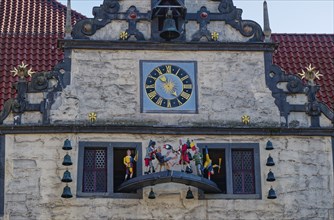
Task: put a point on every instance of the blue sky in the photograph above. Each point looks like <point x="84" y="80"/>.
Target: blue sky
<point x="286" y="16"/>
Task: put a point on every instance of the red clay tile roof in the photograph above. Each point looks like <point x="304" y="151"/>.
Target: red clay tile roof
<point x="296" y="51"/>
<point x="29" y="33"/>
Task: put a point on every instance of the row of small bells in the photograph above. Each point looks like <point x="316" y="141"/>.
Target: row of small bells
<point x="270" y="175"/>
<point x="67" y="175"/>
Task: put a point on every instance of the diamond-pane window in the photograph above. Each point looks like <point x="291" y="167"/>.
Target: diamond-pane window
<point x="243" y="171"/>
<point x="95" y="170"/>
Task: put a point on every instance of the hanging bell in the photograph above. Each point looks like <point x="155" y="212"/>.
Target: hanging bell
<point x="67" y="160"/>
<point x="272" y="194"/>
<point x="151" y="195"/>
<point x="270" y="161"/>
<point x="67" y="145"/>
<point x="67" y="193"/>
<point x="67" y="177"/>
<point x="169" y="30"/>
<point x="270" y="176"/>
<point x="269" y="146"/>
<point x="189" y="194"/>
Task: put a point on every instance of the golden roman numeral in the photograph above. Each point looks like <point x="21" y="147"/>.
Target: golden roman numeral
<point x="152" y="94"/>
<point x="149" y="86"/>
<point x="180" y="103"/>
<point x="187" y="86"/>
<point x="168" y="69"/>
<point x="184" y="78"/>
<point x="159" y="101"/>
<point x="169" y="105"/>
<point x="185" y="95"/>
<point x="152" y="77"/>
<point x="159" y="71"/>
<point x="177" y="72"/>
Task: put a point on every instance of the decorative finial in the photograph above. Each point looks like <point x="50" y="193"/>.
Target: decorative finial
<point x="266" y="25"/>
<point x="68" y="25"/>
<point x="22" y="71"/>
<point x="311" y="74"/>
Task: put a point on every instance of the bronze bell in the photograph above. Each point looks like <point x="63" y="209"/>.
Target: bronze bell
<point x="270" y="176"/>
<point x="67" y="177"/>
<point x="67" y="145"/>
<point x="169" y="30"/>
<point x="67" y="193"/>
<point x="151" y="195"/>
<point x="269" y="146"/>
<point x="67" y="160"/>
<point x="270" y="161"/>
<point x="272" y="194"/>
<point x="189" y="194"/>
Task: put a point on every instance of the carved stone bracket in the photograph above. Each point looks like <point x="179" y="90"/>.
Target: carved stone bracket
<point x="294" y="85"/>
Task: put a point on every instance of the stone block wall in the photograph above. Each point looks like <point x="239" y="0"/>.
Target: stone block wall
<point x="230" y="84"/>
<point x="303" y="170"/>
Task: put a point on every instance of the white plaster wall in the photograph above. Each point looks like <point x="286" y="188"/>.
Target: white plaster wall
<point x="230" y="84"/>
<point x="303" y="171"/>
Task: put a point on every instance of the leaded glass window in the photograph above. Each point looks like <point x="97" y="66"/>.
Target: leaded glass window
<point x="243" y="172"/>
<point x="95" y="170"/>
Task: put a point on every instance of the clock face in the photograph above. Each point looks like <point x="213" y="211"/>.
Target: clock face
<point x="168" y="86"/>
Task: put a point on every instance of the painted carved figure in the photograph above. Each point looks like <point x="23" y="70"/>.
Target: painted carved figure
<point x="128" y="161"/>
<point x="150" y="156"/>
<point x="165" y="160"/>
<point x="184" y="159"/>
<point x="198" y="158"/>
<point x="208" y="164"/>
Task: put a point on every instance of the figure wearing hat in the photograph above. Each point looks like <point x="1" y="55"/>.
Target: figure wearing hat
<point x="150" y="152"/>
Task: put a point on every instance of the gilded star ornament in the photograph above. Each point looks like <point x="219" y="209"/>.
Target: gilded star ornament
<point x="22" y="71"/>
<point x="92" y="116"/>
<point x="214" y="36"/>
<point x="310" y="74"/>
<point x="123" y="35"/>
<point x="245" y="119"/>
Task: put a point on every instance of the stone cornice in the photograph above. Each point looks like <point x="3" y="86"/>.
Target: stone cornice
<point x="165" y="46"/>
<point x="115" y="129"/>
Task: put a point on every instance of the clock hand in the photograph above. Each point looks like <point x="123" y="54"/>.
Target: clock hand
<point x="163" y="79"/>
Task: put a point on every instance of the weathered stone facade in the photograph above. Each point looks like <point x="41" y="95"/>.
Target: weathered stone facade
<point x="304" y="182"/>
<point x="225" y="83"/>
<point x="101" y="74"/>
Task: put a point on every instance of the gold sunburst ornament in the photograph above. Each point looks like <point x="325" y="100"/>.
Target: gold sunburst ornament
<point x="245" y="119"/>
<point x="214" y="36"/>
<point x="92" y="116"/>
<point x="123" y="35"/>
<point x="22" y="71"/>
<point x="310" y="74"/>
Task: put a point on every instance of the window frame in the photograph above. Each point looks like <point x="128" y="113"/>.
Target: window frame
<point x="229" y="177"/>
<point x="2" y="174"/>
<point x="110" y="168"/>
